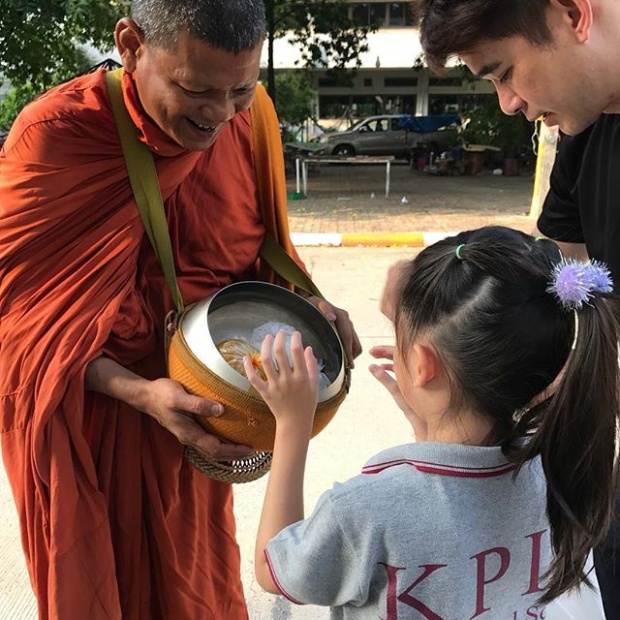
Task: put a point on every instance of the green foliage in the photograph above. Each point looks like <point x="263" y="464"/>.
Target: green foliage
<point x="40" y="39"/>
<point x="322" y="29"/>
<point x="489" y="125"/>
<point x="294" y="102"/>
<point x="21" y="94"/>
<point x="14" y="101"/>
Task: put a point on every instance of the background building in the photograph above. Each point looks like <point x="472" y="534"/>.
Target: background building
<point x="389" y="79"/>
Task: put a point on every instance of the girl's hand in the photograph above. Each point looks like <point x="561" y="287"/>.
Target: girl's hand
<point x="382" y="372"/>
<point x="291" y="391"/>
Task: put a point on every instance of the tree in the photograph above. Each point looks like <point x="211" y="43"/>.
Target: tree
<point x="294" y="102"/>
<point x="489" y="125"/>
<point x="327" y="36"/>
<point x="41" y="41"/>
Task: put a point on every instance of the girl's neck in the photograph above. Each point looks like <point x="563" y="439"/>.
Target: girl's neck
<point x="463" y="427"/>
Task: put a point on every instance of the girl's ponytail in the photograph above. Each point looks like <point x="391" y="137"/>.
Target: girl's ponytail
<point x="577" y="440"/>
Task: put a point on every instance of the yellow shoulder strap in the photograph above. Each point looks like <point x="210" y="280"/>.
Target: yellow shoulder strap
<point x="145" y="185"/>
<point x="272" y="193"/>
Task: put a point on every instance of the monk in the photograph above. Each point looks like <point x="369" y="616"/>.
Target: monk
<point x="114" y="523"/>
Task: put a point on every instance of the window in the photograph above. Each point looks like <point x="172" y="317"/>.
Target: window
<point x="361" y="106"/>
<point x="368" y="82"/>
<point x="368" y="14"/>
<point x="448" y="104"/>
<point x="382" y="14"/>
<point x="381" y="124"/>
<point x="401" y="14"/>
<point x="337" y="82"/>
<point x="450" y="81"/>
<point x="391" y="82"/>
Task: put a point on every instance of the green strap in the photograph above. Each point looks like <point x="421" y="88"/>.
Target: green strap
<point x="286" y="267"/>
<point x="145" y="185"/>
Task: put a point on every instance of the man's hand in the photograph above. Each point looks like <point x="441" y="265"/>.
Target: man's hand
<point x="392" y="287"/>
<point x="383" y="373"/>
<point x="344" y="326"/>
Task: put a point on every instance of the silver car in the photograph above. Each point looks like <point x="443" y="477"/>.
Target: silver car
<point x="389" y="135"/>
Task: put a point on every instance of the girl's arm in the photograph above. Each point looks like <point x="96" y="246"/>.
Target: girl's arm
<point x="284" y="498"/>
<point x="291" y="393"/>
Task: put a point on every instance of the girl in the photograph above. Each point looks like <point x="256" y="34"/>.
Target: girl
<point x="493" y="511"/>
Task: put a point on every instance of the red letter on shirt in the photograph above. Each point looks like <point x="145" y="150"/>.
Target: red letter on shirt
<point x="393" y="600"/>
<point x="481" y="578"/>
<point x="535" y="571"/>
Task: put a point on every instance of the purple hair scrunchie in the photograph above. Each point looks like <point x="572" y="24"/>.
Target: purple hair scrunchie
<point x="574" y="282"/>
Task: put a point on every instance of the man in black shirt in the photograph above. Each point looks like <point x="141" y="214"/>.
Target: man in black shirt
<point x="556" y="60"/>
<point x="581" y="213"/>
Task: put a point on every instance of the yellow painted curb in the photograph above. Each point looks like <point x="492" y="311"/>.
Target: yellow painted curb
<point x="382" y="239"/>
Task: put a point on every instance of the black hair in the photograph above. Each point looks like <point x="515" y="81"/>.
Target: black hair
<point x="452" y="27"/>
<point x="503" y="339"/>
<point x="230" y="25"/>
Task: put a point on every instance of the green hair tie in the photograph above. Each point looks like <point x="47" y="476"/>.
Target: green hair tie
<point x="459" y="248"/>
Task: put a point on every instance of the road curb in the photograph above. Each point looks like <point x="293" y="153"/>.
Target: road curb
<point x="411" y="239"/>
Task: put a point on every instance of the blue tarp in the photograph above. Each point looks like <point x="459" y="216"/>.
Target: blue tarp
<point x="424" y="124"/>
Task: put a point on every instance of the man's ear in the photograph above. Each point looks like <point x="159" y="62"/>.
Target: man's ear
<point x="129" y="39"/>
<point x="578" y="15"/>
<point x="424" y="364"/>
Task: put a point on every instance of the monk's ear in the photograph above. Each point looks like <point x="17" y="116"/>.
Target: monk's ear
<point x="129" y="39"/>
<point x="577" y="14"/>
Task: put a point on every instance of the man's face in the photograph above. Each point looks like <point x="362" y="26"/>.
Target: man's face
<point x="555" y="82"/>
<point x="192" y="90"/>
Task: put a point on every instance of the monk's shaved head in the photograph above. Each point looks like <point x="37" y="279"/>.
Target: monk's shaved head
<point x="230" y="25"/>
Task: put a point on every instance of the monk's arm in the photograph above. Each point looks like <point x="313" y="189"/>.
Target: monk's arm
<point x="166" y="401"/>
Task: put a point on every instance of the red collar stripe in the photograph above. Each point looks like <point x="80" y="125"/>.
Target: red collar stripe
<point x="443" y="469"/>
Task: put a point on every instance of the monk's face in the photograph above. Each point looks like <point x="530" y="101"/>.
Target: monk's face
<point x="192" y="89"/>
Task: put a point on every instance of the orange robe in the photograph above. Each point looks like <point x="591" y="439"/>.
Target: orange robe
<point x="114" y="523"/>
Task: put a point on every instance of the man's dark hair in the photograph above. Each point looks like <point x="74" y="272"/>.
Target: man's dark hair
<point x="230" y="25"/>
<point x="452" y="27"/>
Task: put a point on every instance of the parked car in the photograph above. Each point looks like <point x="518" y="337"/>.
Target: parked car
<point x="393" y="134"/>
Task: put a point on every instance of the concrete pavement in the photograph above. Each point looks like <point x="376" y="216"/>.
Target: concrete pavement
<point x="367" y="422"/>
<point x="344" y="207"/>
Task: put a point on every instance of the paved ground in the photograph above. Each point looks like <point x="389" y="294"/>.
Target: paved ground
<point x="367" y="422"/>
<point x="340" y="200"/>
<point x="351" y="199"/>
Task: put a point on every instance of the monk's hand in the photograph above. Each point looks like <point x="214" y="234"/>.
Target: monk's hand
<point x="177" y="410"/>
<point x="393" y="285"/>
<point x="384" y="374"/>
<point x="344" y="326"/>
